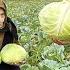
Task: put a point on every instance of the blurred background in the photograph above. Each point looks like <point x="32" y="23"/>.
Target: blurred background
<point x="24" y="13"/>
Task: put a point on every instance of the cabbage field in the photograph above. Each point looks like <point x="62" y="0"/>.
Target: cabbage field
<point x="44" y="54"/>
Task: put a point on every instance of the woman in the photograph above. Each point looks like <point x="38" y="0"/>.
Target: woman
<point x="8" y="34"/>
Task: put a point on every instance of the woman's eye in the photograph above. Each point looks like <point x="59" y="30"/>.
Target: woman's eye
<point x="2" y="15"/>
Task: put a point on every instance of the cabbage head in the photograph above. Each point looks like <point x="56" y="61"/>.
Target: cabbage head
<point x="0" y="58"/>
<point x="13" y="54"/>
<point x="55" y="20"/>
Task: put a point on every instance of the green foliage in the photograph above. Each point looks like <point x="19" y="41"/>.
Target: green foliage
<point x="56" y="62"/>
<point x="54" y="65"/>
<point x="54" y="58"/>
<point x="54" y="52"/>
<point x="24" y="14"/>
<point x="29" y="67"/>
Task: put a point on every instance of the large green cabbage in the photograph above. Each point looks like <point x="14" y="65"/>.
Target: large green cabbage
<point x="55" y="20"/>
<point x="13" y="54"/>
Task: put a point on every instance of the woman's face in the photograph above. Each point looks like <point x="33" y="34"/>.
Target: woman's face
<point x="2" y="17"/>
